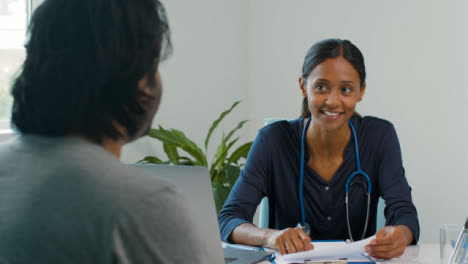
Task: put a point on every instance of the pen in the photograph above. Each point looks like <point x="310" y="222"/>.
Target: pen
<point x="372" y="260"/>
<point x="459" y="252"/>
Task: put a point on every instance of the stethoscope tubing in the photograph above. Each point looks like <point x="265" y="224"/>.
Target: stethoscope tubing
<point x="303" y="224"/>
<point x="301" y="173"/>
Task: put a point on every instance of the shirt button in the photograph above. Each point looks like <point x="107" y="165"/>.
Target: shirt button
<point x="327" y="188"/>
<point x="329" y="218"/>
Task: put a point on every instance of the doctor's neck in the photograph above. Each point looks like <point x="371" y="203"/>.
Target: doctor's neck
<point x="328" y="143"/>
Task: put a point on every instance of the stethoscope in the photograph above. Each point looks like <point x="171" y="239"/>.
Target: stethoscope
<point x="303" y="224"/>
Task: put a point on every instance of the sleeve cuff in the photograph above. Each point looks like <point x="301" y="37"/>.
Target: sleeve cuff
<point x="412" y="224"/>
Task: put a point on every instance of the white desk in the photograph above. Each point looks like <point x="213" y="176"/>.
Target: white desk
<point x="419" y="254"/>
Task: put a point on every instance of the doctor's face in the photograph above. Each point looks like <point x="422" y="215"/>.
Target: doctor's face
<point x="332" y="90"/>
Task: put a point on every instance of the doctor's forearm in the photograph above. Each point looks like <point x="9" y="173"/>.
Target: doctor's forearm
<point x="249" y="234"/>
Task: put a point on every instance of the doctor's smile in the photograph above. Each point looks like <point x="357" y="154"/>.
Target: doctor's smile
<point x="332" y="115"/>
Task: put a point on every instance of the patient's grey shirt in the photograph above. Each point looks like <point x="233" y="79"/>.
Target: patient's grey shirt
<point x="66" y="200"/>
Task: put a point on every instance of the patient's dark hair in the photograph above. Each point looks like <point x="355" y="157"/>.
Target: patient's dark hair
<point x="327" y="49"/>
<point x="84" y="60"/>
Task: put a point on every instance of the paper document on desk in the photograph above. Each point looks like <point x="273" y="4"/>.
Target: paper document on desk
<point x="332" y="250"/>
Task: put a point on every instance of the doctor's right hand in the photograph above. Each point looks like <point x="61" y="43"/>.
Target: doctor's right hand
<point x="289" y="240"/>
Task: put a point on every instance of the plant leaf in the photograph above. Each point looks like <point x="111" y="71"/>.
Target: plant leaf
<point x="219" y="157"/>
<point x="186" y="161"/>
<point x="239" y="126"/>
<point x="223" y="184"/>
<point x="178" y="139"/>
<point x="231" y="143"/>
<point x="190" y="147"/>
<point x="166" y="136"/>
<point x="240" y="152"/>
<point x="171" y="152"/>
<point x="152" y="159"/>
<point x="231" y="174"/>
<point x="221" y="193"/>
<point x="222" y="152"/>
<point x="216" y="123"/>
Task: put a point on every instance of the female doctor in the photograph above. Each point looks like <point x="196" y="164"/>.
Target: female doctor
<point x="310" y="166"/>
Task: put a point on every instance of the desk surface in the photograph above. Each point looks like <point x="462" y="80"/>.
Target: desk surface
<point x="419" y="254"/>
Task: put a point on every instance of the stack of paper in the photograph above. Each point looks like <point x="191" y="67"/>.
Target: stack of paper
<point x="330" y="251"/>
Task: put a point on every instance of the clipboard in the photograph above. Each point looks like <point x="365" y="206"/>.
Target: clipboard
<point x="337" y="262"/>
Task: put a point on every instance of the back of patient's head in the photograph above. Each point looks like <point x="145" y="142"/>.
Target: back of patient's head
<point x="84" y="60"/>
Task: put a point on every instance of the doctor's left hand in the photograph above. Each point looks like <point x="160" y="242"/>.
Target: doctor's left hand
<point x="390" y="242"/>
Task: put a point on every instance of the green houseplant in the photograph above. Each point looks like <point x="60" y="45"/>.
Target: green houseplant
<point x="224" y="168"/>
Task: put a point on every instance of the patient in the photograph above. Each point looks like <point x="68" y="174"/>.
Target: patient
<point x="89" y="84"/>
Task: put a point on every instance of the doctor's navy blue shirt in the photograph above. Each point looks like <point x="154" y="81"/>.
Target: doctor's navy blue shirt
<point x="272" y="170"/>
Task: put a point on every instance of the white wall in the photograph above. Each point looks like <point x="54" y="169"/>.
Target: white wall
<point x="416" y="55"/>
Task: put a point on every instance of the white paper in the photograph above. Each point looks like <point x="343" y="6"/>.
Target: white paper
<point x="334" y="250"/>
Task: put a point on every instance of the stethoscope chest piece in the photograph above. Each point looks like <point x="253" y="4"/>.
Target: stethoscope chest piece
<point x="305" y="228"/>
